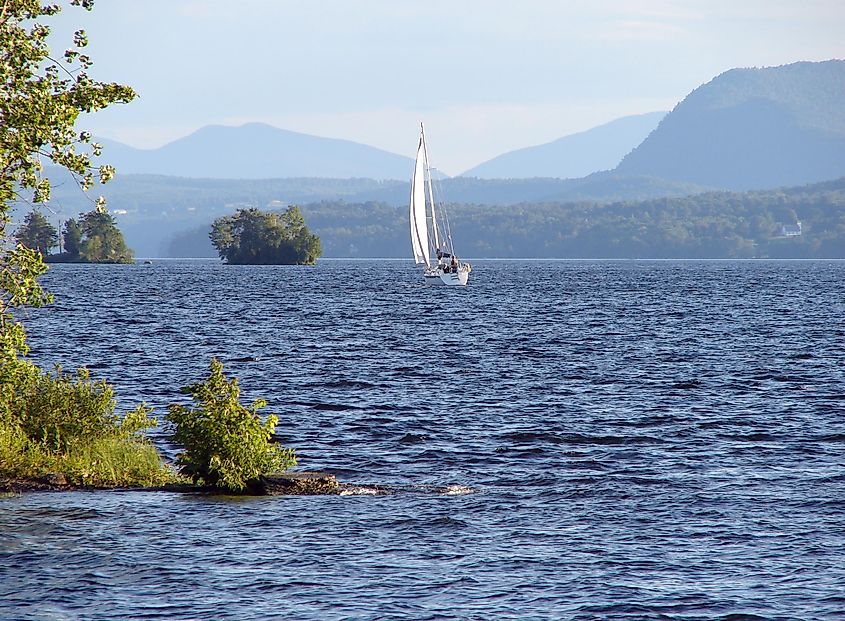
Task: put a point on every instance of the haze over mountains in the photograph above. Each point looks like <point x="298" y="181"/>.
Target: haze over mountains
<point x="258" y="151"/>
<point x="576" y="155"/>
<point x="745" y="129"/>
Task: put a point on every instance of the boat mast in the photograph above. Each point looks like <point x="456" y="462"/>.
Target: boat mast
<point x="430" y="191"/>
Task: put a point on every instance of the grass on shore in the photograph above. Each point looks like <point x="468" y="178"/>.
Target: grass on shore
<point x="65" y="424"/>
<point x="110" y="461"/>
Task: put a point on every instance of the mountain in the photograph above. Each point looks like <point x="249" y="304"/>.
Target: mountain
<point x="600" y="186"/>
<point x="577" y="155"/>
<point x="257" y="151"/>
<point x="752" y="128"/>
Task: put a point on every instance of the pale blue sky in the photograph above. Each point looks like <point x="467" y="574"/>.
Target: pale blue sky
<point x="485" y="76"/>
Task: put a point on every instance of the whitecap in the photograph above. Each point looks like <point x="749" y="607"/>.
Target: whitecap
<point x="457" y="490"/>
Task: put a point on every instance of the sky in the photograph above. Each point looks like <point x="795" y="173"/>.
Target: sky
<point x="486" y="76"/>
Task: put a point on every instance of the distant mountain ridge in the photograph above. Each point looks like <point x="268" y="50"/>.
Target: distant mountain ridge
<point x="572" y="156"/>
<point x="261" y="151"/>
<point x="745" y="129"/>
<point x="258" y="151"/>
<point x="751" y="129"/>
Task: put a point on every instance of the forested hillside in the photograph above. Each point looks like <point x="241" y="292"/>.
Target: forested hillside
<point x="752" y="128"/>
<point x="711" y="225"/>
<point x="152" y="209"/>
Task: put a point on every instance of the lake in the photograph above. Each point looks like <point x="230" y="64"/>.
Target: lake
<point x="563" y="440"/>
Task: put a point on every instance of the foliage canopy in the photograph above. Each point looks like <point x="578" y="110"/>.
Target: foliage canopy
<point x="254" y="237"/>
<point x="226" y="444"/>
<point x="95" y="238"/>
<point x="37" y="233"/>
<point x="53" y="422"/>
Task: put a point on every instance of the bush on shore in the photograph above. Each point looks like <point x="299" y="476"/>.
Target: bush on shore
<point x="58" y="423"/>
<point x="55" y="423"/>
<point x="226" y="444"/>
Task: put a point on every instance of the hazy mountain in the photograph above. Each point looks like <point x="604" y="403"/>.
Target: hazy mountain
<point x="257" y="151"/>
<point x="577" y="155"/>
<point x="752" y="128"/>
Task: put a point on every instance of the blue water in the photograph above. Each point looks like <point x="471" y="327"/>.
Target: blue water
<point x="564" y="440"/>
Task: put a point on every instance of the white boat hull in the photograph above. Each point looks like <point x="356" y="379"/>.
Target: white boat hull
<point x="452" y="278"/>
<point x="438" y="276"/>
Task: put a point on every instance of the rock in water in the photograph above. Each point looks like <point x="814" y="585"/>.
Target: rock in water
<point x="297" y="483"/>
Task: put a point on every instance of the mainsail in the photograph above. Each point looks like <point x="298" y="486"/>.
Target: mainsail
<point x="430" y="191"/>
<point x="419" y="228"/>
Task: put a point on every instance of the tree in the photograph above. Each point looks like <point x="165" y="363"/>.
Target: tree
<point x="41" y="97"/>
<point x="254" y="237"/>
<point x="37" y="233"/>
<point x="103" y="241"/>
<point x="95" y="238"/>
<point x="72" y="238"/>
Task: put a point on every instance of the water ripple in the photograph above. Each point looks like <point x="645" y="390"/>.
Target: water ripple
<point x="572" y="440"/>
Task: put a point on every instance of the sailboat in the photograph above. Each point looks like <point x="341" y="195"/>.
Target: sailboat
<point x="431" y="237"/>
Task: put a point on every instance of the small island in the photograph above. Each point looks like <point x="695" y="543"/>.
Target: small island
<point x="94" y="238"/>
<point x="255" y="237"/>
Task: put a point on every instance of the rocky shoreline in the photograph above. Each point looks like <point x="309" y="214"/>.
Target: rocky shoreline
<point x="285" y="484"/>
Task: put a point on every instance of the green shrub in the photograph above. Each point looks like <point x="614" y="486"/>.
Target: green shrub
<point x="61" y="410"/>
<point x="66" y="424"/>
<point x="18" y="457"/>
<point x="115" y="461"/>
<point x="226" y="444"/>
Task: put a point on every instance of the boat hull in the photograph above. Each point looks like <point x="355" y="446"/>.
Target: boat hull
<point x="439" y="277"/>
<point x="455" y="278"/>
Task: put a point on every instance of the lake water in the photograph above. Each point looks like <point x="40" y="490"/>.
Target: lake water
<point x="564" y="440"/>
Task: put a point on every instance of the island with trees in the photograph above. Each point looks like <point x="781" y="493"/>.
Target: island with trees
<point x="255" y="237"/>
<point x="95" y="238"/>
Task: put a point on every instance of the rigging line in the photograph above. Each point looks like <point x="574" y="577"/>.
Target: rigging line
<point x="445" y="217"/>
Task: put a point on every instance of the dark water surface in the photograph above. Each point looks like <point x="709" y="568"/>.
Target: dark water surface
<point x="623" y="440"/>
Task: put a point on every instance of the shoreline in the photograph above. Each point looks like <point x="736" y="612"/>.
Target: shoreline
<point x="283" y="484"/>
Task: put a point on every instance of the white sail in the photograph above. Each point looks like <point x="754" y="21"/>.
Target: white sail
<point x="448" y="268"/>
<point x="430" y="191"/>
<point x="419" y="228"/>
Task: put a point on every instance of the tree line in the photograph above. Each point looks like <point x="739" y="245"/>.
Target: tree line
<point x="718" y="225"/>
